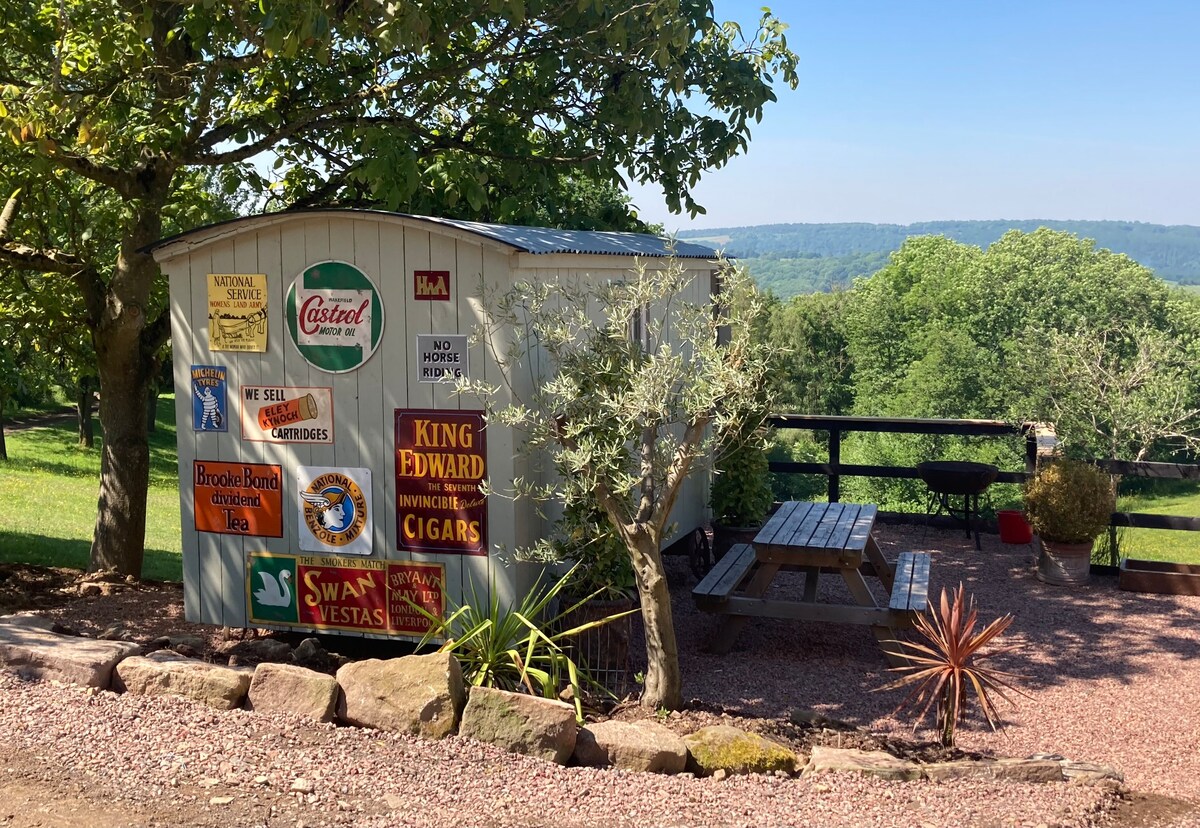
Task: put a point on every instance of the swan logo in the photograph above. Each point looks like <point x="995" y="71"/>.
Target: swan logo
<point x="334" y="512"/>
<point x="270" y="584"/>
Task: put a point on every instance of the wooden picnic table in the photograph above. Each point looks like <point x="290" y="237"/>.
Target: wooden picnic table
<point x="815" y="538"/>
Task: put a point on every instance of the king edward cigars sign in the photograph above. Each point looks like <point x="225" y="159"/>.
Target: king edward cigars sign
<point x="441" y="460"/>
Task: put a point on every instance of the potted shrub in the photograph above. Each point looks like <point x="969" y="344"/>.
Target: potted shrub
<point x="741" y="492"/>
<point x="1068" y="504"/>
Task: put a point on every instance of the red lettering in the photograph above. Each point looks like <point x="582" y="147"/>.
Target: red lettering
<point x="314" y="313"/>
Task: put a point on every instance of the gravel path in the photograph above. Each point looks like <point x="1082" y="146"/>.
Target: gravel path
<point x="1113" y="677"/>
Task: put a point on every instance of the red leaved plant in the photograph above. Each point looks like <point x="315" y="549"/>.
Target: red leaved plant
<point x="943" y="668"/>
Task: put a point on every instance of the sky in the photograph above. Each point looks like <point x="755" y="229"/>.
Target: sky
<point x="925" y="111"/>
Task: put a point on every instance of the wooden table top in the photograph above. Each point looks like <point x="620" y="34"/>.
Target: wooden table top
<point x="800" y="530"/>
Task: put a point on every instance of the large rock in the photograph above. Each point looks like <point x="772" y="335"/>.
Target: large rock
<point x="166" y="673"/>
<point x="29" y="646"/>
<point x="291" y="689"/>
<point x="869" y="762"/>
<point x="254" y="651"/>
<point x="1008" y="770"/>
<point x="520" y="723"/>
<point x="421" y="695"/>
<point x="635" y="746"/>
<point x="723" y="747"/>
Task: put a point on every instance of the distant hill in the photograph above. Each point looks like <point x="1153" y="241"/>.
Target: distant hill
<point x="802" y="258"/>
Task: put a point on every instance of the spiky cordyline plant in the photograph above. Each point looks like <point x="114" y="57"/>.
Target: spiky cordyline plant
<point x="949" y="662"/>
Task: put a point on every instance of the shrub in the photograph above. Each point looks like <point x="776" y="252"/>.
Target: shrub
<point x="511" y="648"/>
<point x="741" y="488"/>
<point x="943" y="667"/>
<point x="1069" y="501"/>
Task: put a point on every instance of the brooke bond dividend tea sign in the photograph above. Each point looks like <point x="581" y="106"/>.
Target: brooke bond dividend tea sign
<point x="334" y="316"/>
<point x="238" y="498"/>
<point x="441" y="458"/>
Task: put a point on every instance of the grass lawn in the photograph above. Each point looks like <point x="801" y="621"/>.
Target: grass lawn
<point x="1162" y="544"/>
<point x="49" y="489"/>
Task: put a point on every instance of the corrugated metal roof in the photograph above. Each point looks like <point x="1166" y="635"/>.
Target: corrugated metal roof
<point x="526" y="239"/>
<point x="603" y="242"/>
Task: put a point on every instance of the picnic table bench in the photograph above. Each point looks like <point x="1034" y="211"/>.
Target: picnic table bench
<point x="815" y="538"/>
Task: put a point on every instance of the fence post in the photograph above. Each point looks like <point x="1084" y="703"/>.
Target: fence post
<point x="1031" y="448"/>
<point x="835" y="459"/>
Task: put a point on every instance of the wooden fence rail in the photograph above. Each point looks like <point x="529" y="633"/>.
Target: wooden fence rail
<point x="835" y="469"/>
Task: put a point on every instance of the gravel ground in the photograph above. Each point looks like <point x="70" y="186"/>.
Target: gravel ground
<point x="1112" y="677"/>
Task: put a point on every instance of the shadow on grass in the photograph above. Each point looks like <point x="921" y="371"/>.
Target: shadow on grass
<point x="39" y="550"/>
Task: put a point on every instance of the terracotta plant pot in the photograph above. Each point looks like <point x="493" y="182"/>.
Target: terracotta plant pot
<point x="1064" y="564"/>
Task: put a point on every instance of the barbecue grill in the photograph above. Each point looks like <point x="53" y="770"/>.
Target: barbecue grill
<point x="949" y="479"/>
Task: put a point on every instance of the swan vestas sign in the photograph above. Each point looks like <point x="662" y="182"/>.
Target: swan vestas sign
<point x="356" y="595"/>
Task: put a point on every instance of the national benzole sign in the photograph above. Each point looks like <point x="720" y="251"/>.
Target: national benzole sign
<point x="334" y="316"/>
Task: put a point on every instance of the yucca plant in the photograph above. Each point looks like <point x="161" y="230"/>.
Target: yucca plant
<point x="948" y="663"/>
<point x="510" y="648"/>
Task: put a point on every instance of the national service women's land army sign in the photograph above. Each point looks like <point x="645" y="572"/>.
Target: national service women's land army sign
<point x="334" y="316"/>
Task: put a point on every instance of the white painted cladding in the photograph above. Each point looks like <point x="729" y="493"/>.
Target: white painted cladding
<point x="388" y="249"/>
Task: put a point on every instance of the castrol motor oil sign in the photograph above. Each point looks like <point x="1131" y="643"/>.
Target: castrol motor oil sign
<point x="334" y="316"/>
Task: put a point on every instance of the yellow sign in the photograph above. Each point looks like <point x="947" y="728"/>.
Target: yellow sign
<point x="237" y="312"/>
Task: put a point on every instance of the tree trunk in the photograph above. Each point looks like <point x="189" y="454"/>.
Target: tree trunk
<point x="126" y="343"/>
<point x="664" y="683"/>
<point x="152" y="406"/>
<point x="120" y="534"/>
<point x="3" y="445"/>
<point x="83" y="412"/>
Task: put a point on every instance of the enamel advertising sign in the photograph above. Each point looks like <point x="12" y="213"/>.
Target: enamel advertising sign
<point x="441" y="356"/>
<point x="441" y="460"/>
<point x="237" y="312"/>
<point x="431" y="285"/>
<point x="209" y="398"/>
<point x="352" y="594"/>
<point x="238" y="498"/>
<point x="334" y="316"/>
<point x="335" y="510"/>
<point x="287" y="414"/>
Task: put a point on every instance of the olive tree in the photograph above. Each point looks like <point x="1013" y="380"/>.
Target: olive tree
<point x="623" y="420"/>
<point x="460" y="106"/>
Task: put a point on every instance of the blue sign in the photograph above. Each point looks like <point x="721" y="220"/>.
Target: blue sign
<point x="209" y="398"/>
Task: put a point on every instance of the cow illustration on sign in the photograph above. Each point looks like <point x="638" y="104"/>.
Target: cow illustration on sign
<point x="331" y="513"/>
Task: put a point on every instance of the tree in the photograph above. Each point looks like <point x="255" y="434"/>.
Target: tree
<point x="1121" y="393"/>
<point x="445" y="103"/>
<point x="623" y="421"/>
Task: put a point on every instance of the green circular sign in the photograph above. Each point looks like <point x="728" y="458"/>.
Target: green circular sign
<point x="334" y="316"/>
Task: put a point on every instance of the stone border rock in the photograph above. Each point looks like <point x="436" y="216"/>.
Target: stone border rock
<point x="424" y="695"/>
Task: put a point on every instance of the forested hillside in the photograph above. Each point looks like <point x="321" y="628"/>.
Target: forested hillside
<point x="1037" y="327"/>
<point x="802" y="258"/>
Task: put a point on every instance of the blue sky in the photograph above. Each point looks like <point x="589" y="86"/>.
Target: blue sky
<point x="920" y="111"/>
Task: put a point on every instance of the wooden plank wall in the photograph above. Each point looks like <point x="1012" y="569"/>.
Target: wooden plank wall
<point x="388" y="250"/>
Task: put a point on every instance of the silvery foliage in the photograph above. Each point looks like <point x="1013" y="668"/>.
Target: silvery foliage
<point x="622" y="411"/>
